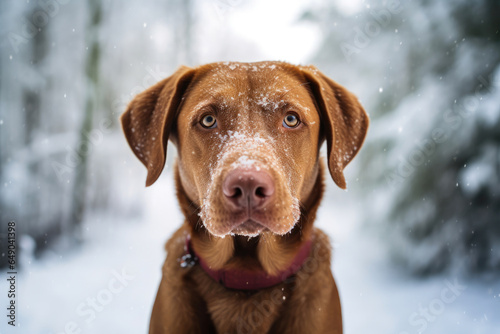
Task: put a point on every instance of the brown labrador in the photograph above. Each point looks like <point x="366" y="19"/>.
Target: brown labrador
<point x="249" y="182"/>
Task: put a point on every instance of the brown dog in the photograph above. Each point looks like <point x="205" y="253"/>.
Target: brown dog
<point x="249" y="181"/>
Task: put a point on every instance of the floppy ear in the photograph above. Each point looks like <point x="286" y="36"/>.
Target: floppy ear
<point x="344" y="121"/>
<point x="148" y="120"/>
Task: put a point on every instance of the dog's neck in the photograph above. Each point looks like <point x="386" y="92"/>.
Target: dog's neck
<point x="245" y="278"/>
<point x="270" y="252"/>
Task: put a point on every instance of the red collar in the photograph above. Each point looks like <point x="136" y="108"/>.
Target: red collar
<point x="246" y="279"/>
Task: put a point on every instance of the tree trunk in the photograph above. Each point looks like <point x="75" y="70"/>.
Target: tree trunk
<point x="83" y="146"/>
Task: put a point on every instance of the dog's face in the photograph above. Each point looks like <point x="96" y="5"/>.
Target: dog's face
<point x="248" y="137"/>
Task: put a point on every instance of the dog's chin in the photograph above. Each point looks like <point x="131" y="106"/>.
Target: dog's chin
<point x="249" y="228"/>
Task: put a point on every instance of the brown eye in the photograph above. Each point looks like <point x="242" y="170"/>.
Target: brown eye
<point x="291" y="121"/>
<point x="208" y="122"/>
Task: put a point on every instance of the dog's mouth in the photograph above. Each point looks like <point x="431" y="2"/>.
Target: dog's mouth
<point x="248" y="193"/>
<point x="249" y="228"/>
<point x="251" y="223"/>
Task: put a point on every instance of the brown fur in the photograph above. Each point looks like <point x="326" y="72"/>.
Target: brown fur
<point x="249" y="99"/>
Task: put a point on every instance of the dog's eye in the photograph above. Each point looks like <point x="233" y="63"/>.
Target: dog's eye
<point x="208" y="122"/>
<point x="291" y="121"/>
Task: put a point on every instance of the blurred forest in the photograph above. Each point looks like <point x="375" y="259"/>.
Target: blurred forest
<point x="428" y="72"/>
<point x="69" y="68"/>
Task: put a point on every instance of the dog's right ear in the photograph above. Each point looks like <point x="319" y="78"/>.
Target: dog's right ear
<point x="149" y="118"/>
<point x="344" y="119"/>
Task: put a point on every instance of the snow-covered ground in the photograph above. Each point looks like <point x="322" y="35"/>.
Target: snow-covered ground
<point x="108" y="284"/>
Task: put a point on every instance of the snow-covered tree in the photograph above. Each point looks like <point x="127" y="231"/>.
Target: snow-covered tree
<point x="428" y="73"/>
<point x="68" y="71"/>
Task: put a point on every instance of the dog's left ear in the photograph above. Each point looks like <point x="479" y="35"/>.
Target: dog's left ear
<point x="344" y="121"/>
<point x="149" y="118"/>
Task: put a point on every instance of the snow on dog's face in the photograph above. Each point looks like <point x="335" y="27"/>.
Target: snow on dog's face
<point x="248" y="138"/>
<point x="257" y="125"/>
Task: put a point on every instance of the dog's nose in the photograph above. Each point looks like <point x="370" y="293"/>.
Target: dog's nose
<point x="248" y="188"/>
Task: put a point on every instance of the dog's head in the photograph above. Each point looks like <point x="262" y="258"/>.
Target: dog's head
<point x="248" y="137"/>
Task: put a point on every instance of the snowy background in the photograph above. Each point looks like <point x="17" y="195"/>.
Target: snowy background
<point x="417" y="235"/>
